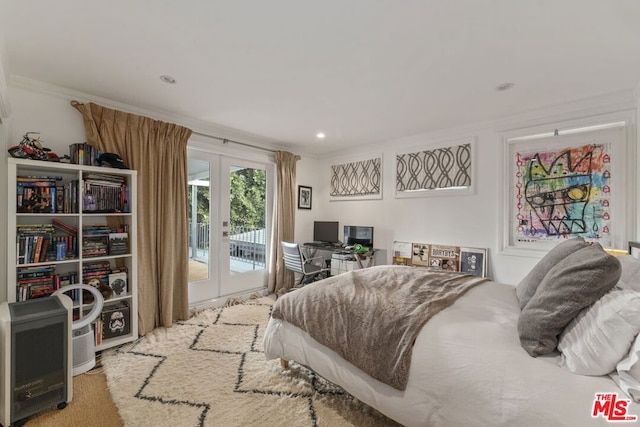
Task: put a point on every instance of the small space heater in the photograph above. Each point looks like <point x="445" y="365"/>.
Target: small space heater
<point x="35" y="357"/>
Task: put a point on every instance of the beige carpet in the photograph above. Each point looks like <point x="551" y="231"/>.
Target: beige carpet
<point x="210" y="371"/>
<point x="91" y="405"/>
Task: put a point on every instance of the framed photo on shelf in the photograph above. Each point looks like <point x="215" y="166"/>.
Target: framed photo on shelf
<point x="304" y="197"/>
<point x="473" y="261"/>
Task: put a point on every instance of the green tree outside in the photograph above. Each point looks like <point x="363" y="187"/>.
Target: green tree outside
<point x="248" y="199"/>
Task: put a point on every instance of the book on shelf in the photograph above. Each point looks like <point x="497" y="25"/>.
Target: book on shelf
<point x="45" y="194"/>
<point x="71" y="243"/>
<point x="64" y="227"/>
<point x="94" y="246"/>
<point x="118" y="283"/>
<point x="84" y="154"/>
<point x="104" y="193"/>
<point x="60" y="195"/>
<point x="33" y="199"/>
<point x="97" y="330"/>
<point x="31" y="178"/>
<point x="118" y="243"/>
<point x="33" y="242"/>
<point x="99" y="270"/>
<point x="95" y="240"/>
<point x="39" y="281"/>
<point x="71" y="197"/>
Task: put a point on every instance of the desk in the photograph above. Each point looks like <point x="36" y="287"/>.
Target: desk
<point x="325" y="251"/>
<point x="340" y="259"/>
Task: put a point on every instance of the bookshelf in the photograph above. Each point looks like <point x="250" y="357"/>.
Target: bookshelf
<point x="72" y="224"/>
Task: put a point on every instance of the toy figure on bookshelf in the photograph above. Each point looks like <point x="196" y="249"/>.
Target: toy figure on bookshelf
<point x="31" y="148"/>
<point x="105" y="290"/>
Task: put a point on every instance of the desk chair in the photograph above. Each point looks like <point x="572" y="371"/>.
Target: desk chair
<point x="311" y="269"/>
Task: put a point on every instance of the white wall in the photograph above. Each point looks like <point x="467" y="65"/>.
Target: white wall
<point x="59" y="124"/>
<point x="461" y="220"/>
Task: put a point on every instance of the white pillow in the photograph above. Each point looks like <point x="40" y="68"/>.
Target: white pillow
<point x="630" y="276"/>
<point x="600" y="335"/>
<point x="627" y="374"/>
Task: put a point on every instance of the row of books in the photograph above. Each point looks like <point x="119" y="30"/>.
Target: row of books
<point x="105" y="193"/>
<point x="102" y="193"/>
<point x="114" y="277"/>
<point x="31" y="249"/>
<point x="102" y="240"/>
<point x="84" y="154"/>
<point x="37" y="243"/>
<point x="45" y="248"/>
<point x="41" y="281"/>
<point x="33" y="242"/>
<point x="45" y="194"/>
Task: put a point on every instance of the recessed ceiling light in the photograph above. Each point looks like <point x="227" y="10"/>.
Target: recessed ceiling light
<point x="504" y="86"/>
<point x="168" y="79"/>
<point x="320" y="135"/>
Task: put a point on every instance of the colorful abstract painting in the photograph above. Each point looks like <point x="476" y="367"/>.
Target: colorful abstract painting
<point x="563" y="193"/>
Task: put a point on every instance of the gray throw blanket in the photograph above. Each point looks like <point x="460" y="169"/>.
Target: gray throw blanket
<point x="371" y="317"/>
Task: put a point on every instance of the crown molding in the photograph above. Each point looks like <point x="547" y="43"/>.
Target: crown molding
<point x="198" y="126"/>
<point x="613" y="102"/>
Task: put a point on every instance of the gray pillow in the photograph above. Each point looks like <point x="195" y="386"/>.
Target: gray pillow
<point x="527" y="286"/>
<point x="630" y="277"/>
<point x="572" y="284"/>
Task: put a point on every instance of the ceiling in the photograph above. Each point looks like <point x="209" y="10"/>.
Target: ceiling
<point x="361" y="71"/>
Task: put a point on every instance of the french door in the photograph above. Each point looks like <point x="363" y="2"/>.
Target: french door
<point x="229" y="210"/>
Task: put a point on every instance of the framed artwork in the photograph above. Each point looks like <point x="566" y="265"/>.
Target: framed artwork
<point x="564" y="186"/>
<point x="473" y="261"/>
<point x="304" y="197"/>
<point x="357" y="179"/>
<point x="444" y="168"/>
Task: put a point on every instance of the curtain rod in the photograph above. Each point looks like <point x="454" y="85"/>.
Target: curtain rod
<point x="226" y="141"/>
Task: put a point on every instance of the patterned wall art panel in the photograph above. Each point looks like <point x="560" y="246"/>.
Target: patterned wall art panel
<point x="444" y="168"/>
<point x="360" y="179"/>
<point x="562" y="187"/>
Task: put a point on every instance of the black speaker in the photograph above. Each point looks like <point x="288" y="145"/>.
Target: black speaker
<point x="35" y="357"/>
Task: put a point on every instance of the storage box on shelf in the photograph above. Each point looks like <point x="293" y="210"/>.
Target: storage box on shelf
<point x="75" y="224"/>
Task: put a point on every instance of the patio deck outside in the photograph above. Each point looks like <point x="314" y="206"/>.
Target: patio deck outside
<point x="246" y="250"/>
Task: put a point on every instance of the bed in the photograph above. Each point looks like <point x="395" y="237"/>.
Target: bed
<point x="468" y="365"/>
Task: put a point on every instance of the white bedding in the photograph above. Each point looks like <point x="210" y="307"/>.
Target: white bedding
<point x="467" y="369"/>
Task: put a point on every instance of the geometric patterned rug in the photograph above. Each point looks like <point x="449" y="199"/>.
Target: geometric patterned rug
<point x="211" y="371"/>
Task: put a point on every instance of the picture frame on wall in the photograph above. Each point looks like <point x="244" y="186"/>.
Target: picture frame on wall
<point x="304" y="197"/>
<point x="356" y="178"/>
<point x="540" y="166"/>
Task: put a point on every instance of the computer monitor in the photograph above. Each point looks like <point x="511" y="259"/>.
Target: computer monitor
<point x="358" y="234"/>
<point x="325" y="231"/>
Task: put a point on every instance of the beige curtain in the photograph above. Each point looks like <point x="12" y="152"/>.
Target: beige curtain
<point x="284" y="219"/>
<point x="158" y="151"/>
